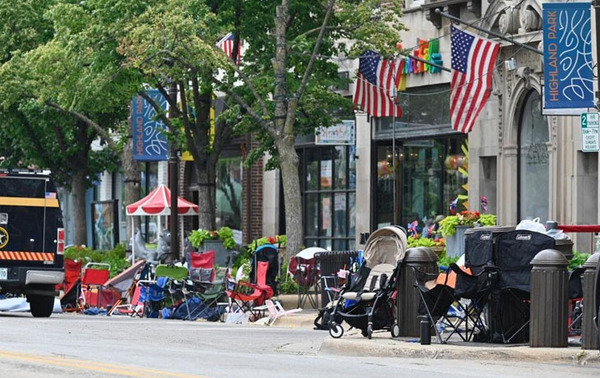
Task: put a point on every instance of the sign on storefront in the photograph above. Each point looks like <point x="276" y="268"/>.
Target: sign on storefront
<point x="568" y="60"/>
<point x="590" y="123"/>
<point x="340" y="134"/>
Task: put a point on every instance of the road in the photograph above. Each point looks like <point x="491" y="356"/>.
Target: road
<point x="69" y="345"/>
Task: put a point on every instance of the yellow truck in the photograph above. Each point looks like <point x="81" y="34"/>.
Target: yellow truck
<point x="31" y="238"/>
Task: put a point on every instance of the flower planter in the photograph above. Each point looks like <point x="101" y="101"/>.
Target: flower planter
<point x="455" y="244"/>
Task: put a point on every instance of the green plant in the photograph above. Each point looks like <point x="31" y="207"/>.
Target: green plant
<point x="115" y="258"/>
<point x="449" y="224"/>
<point x="446" y="260"/>
<point x="578" y="259"/>
<point x="278" y="240"/>
<point x="423" y="242"/>
<point x="225" y="234"/>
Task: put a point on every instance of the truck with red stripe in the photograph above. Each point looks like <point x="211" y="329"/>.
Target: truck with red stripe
<point x="31" y="238"/>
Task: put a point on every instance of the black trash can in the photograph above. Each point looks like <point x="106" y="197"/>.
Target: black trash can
<point x="408" y="299"/>
<point x="330" y="264"/>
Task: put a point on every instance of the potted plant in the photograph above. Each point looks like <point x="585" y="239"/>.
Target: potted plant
<point x="224" y="235"/>
<point x="453" y="228"/>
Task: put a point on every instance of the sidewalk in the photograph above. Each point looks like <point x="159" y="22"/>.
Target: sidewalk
<point x="352" y="343"/>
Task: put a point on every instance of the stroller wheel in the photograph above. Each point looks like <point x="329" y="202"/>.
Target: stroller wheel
<point x="395" y="330"/>
<point x="369" y="331"/>
<point x="335" y="330"/>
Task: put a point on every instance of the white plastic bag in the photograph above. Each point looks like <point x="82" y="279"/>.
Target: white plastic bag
<point x="531" y="225"/>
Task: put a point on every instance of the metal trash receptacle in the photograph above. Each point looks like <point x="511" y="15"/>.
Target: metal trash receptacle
<point x="330" y="264"/>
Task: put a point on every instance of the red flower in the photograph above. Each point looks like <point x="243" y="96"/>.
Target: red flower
<point x="271" y="240"/>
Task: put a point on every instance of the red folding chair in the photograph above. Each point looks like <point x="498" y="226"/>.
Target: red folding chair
<point x="95" y="275"/>
<point x="71" y="285"/>
<point x="248" y="295"/>
<point x="201" y="266"/>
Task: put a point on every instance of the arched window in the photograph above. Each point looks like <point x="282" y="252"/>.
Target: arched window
<point x="533" y="160"/>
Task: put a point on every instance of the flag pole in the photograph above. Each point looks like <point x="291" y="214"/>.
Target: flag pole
<point x="395" y="182"/>
<point x="492" y="33"/>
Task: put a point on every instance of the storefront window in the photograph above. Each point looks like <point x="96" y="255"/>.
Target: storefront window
<point x="429" y="175"/>
<point x="328" y="191"/>
<point x="533" y="161"/>
<point x="229" y="192"/>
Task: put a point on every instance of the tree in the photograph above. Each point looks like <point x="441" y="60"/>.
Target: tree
<point x="290" y="69"/>
<point x="287" y="75"/>
<point x="57" y="95"/>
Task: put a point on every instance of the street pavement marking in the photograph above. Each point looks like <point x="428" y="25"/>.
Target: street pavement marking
<point x="132" y="371"/>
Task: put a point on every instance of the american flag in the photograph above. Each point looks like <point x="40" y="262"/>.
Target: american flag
<point x="226" y="44"/>
<point x="472" y="59"/>
<point x="376" y="83"/>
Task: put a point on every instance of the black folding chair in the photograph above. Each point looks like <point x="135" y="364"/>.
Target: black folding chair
<point x="437" y="298"/>
<point x="477" y="288"/>
<point x="515" y="250"/>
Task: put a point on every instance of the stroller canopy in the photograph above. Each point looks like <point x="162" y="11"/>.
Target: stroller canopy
<point x="386" y="245"/>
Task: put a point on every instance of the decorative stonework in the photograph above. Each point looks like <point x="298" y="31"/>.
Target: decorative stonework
<point x="530" y="17"/>
<point x="508" y="22"/>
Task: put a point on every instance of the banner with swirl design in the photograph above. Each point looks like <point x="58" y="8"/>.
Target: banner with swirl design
<point x="568" y="61"/>
<point x="149" y="140"/>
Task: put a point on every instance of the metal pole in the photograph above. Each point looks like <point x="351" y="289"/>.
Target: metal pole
<point x="173" y="183"/>
<point x="526" y="47"/>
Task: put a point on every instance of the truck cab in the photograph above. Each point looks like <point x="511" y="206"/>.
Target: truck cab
<point x="31" y="238"/>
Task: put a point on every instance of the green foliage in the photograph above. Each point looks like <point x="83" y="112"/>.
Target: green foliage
<point x="449" y="224"/>
<point x="423" y="242"/>
<point x="277" y="240"/>
<point x="225" y="234"/>
<point x="115" y="258"/>
<point x="446" y="260"/>
<point x="578" y="259"/>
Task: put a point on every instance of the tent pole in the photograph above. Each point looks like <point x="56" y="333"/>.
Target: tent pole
<point x="132" y="241"/>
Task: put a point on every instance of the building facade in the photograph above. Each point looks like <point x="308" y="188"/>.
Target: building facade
<point x="411" y="168"/>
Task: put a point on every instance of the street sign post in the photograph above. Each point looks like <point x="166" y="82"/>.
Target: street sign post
<point x="590" y="122"/>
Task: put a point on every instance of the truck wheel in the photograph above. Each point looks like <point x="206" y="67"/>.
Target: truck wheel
<point x="41" y="305"/>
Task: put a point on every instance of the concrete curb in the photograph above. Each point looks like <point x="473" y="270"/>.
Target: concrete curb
<point x="383" y="345"/>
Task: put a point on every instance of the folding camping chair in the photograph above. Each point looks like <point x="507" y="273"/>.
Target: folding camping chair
<point x="475" y="283"/>
<point x="437" y="297"/>
<point x="575" y="301"/>
<point x="262" y="285"/>
<point x="209" y="282"/>
<point x="125" y="286"/>
<point x="71" y="285"/>
<point x="307" y="276"/>
<point x="477" y="289"/>
<point x="514" y="252"/>
<point x="93" y="279"/>
<point x="276" y="311"/>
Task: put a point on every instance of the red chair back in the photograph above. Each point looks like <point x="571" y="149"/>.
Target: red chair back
<point x="204" y="260"/>
<point x="95" y="276"/>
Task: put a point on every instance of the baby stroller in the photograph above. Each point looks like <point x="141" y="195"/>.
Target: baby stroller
<point x="367" y="298"/>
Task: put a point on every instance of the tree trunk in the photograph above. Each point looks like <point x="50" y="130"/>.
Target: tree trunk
<point x="78" y="189"/>
<point x="206" y="197"/>
<point x="132" y="192"/>
<point x="288" y="163"/>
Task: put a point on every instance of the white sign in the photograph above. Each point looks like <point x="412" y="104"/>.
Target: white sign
<point x="339" y="134"/>
<point x="590" y="122"/>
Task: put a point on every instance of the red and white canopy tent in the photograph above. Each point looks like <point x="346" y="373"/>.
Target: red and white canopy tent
<point x="158" y="203"/>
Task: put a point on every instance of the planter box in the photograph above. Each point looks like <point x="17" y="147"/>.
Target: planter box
<point x="455" y="244"/>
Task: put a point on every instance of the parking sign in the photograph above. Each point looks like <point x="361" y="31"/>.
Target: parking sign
<point x="590" y="122"/>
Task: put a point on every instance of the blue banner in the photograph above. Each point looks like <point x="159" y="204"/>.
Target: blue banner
<point x="568" y="63"/>
<point x="149" y="140"/>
